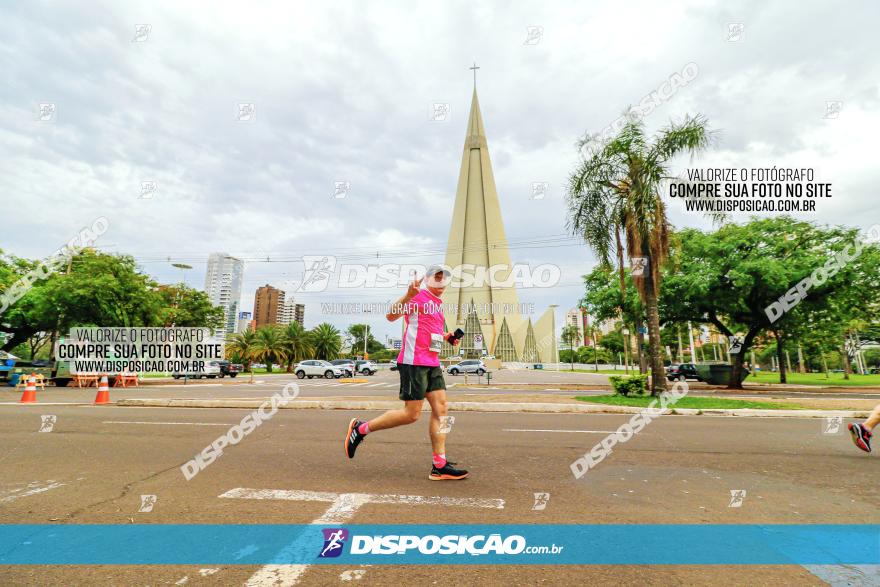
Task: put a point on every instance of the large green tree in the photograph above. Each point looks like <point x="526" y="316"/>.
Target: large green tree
<point x="729" y="278"/>
<point x="186" y="306"/>
<point x="99" y="290"/>
<point x="355" y="339"/>
<point x="96" y="289"/>
<point x="615" y="204"/>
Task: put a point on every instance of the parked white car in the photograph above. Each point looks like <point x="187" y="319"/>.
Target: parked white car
<point x="470" y="366"/>
<point x="317" y="368"/>
<point x="366" y="367"/>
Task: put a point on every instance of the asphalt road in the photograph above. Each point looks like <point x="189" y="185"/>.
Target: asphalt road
<point x="98" y="460"/>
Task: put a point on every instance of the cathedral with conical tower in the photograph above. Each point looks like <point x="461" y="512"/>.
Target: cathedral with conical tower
<point x="488" y="313"/>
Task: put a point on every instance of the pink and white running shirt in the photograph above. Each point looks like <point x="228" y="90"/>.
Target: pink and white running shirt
<point x="423" y="318"/>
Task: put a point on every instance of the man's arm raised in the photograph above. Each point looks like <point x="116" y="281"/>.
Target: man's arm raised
<point x="399" y="307"/>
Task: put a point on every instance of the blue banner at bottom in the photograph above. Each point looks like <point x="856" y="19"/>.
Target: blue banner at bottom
<point x="520" y="544"/>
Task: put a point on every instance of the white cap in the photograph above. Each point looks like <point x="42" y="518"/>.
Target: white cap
<point x="431" y="275"/>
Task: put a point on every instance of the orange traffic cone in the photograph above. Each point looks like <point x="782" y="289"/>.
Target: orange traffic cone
<point x="30" y="391"/>
<point x="103" y="396"/>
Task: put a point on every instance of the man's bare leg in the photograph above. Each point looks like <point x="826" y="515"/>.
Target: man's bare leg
<point x="873" y="419"/>
<point x="437" y="400"/>
<point x="358" y="430"/>
<point x="392" y="418"/>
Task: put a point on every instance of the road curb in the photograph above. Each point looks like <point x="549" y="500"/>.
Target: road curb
<point x="546" y="408"/>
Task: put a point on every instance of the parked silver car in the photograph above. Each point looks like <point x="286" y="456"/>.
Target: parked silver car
<point x="470" y="366"/>
<point x="317" y="368"/>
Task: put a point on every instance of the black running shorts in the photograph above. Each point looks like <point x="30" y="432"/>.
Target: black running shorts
<point x="416" y="381"/>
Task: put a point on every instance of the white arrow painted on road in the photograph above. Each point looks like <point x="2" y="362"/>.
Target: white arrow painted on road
<point x="343" y="507"/>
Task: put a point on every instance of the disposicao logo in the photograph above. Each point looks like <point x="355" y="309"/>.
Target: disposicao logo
<point x="334" y="540"/>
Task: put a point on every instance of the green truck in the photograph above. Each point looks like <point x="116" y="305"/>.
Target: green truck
<point x="55" y="371"/>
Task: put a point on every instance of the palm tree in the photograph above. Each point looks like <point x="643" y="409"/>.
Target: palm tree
<point x="326" y="341"/>
<point x="591" y="331"/>
<point x="614" y="196"/>
<point x="569" y="337"/>
<point x="269" y="346"/>
<point x="243" y="344"/>
<point x="297" y="345"/>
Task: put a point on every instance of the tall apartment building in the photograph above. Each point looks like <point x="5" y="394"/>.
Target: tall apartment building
<point x="268" y="306"/>
<point x="223" y="281"/>
<point x="575" y="317"/>
<point x="292" y="312"/>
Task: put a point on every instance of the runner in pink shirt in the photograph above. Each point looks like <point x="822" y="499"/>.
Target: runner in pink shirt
<point x="421" y="377"/>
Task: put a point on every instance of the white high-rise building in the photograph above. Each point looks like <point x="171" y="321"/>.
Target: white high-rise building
<point x="287" y="311"/>
<point x="223" y="285"/>
<point x="575" y="317"/>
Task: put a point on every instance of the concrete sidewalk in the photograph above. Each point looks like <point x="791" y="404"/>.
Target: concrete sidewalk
<point x="481" y="406"/>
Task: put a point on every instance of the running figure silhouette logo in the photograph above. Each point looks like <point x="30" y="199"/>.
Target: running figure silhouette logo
<point x="318" y="269"/>
<point x="334" y="541"/>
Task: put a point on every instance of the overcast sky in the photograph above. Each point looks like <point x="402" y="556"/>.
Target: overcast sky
<point x="343" y="92"/>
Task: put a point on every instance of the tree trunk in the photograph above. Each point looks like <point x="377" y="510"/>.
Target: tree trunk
<point x="847" y="367"/>
<point x="780" y="356"/>
<point x="640" y="341"/>
<point x="738" y="359"/>
<point x="658" y="373"/>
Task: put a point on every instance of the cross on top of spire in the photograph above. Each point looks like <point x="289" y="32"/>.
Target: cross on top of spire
<point x="474" y="68"/>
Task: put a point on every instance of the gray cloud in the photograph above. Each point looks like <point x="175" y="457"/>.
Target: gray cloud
<point x="342" y="93"/>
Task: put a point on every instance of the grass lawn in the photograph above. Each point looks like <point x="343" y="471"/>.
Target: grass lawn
<point x="601" y="371"/>
<point x="698" y="403"/>
<point x="818" y="379"/>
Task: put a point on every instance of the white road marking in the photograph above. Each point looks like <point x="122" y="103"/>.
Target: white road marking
<point x="577" y="431"/>
<point x="30" y="490"/>
<point x="844" y="575"/>
<point x="343" y="507"/>
<point x="169" y="423"/>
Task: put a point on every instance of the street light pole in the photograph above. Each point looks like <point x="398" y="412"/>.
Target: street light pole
<point x="183" y="267"/>
<point x="366" y="338"/>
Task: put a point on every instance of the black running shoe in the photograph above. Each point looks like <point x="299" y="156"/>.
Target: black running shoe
<point x="353" y="438"/>
<point x="447" y="473"/>
<point x="861" y="436"/>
